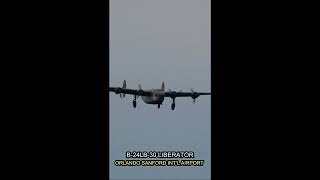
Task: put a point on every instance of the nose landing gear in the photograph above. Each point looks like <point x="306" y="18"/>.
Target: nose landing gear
<point x="158" y="106"/>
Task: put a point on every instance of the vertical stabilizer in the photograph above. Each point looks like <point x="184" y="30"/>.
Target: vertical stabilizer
<point x="162" y="86"/>
<point x="124" y="84"/>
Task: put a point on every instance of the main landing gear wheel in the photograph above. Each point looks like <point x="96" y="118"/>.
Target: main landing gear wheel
<point x="134" y="103"/>
<point x="172" y="106"/>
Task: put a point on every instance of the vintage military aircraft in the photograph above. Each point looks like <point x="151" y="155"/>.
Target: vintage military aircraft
<point x="155" y="96"/>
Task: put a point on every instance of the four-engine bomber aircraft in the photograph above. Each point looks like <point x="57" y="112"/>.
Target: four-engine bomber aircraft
<point x="154" y="96"/>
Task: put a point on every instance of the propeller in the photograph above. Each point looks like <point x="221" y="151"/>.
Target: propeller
<point x="194" y="95"/>
<point x="118" y="90"/>
<point x="173" y="93"/>
<point x="124" y="85"/>
<point x="140" y="91"/>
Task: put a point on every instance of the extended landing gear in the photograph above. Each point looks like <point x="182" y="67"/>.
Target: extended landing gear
<point x="135" y="102"/>
<point x="173" y="105"/>
<point x="158" y="106"/>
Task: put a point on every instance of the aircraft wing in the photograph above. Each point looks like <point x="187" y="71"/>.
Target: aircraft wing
<point x="119" y="90"/>
<point x="174" y="94"/>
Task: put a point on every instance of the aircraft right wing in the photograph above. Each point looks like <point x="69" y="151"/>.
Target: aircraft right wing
<point x="119" y="90"/>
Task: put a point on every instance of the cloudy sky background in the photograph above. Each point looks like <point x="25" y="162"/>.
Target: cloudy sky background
<point x="153" y="41"/>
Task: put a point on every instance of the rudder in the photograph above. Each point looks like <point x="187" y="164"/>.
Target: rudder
<point x="124" y="84"/>
<point x="163" y="86"/>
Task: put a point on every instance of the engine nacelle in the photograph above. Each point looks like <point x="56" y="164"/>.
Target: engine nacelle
<point x="117" y="91"/>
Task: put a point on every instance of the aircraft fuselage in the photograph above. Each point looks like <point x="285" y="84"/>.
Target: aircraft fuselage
<point x="156" y="97"/>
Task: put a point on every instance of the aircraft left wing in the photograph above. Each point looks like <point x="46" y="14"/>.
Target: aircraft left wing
<point x="174" y="94"/>
<point x="191" y="94"/>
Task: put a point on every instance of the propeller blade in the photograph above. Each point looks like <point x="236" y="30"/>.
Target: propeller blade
<point x="120" y="95"/>
<point x="194" y="100"/>
<point x="140" y="91"/>
<point x="192" y="90"/>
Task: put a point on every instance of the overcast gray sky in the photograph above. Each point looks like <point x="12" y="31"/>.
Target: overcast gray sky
<point x="153" y="41"/>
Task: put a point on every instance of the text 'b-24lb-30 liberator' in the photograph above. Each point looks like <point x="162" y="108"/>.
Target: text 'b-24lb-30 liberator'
<point x="155" y="96"/>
